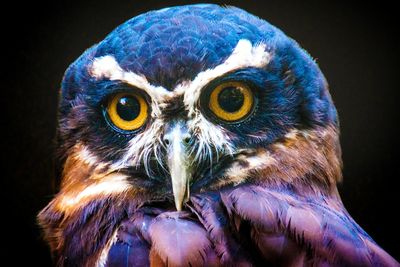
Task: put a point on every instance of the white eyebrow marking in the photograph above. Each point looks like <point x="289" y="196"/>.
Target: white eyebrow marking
<point x="108" y="67"/>
<point x="142" y="146"/>
<point x="243" y="56"/>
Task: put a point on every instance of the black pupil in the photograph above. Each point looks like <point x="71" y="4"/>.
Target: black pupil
<point x="128" y="108"/>
<point x="231" y="99"/>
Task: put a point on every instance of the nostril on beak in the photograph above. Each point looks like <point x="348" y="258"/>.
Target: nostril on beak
<point x="186" y="140"/>
<point x="166" y="141"/>
<point x="176" y="134"/>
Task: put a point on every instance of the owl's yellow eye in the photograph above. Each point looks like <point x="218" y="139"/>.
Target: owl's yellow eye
<point x="128" y="111"/>
<point x="231" y="101"/>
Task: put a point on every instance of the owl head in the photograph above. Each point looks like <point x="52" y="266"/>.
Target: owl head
<point x="186" y="100"/>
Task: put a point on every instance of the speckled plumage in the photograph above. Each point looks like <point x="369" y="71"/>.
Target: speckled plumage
<point x="262" y="191"/>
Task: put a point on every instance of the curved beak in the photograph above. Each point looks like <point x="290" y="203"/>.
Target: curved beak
<point x="177" y="139"/>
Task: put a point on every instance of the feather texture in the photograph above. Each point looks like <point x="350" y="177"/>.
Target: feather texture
<point x="214" y="219"/>
<point x="263" y="188"/>
<point x="247" y="225"/>
<point x="180" y="241"/>
<point x="324" y="234"/>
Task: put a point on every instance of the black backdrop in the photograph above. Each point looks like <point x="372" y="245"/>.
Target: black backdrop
<point x="353" y="44"/>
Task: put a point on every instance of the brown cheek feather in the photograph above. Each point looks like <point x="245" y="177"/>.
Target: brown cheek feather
<point x="87" y="206"/>
<point x="313" y="156"/>
<point x="79" y="236"/>
<point x="310" y="157"/>
<point x="75" y="170"/>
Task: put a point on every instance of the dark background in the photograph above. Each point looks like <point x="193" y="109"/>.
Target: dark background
<point x="354" y="45"/>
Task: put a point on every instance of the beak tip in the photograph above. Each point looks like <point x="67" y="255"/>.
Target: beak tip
<point x="180" y="202"/>
<point x="178" y="207"/>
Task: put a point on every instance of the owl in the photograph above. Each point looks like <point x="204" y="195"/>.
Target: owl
<point x="200" y="135"/>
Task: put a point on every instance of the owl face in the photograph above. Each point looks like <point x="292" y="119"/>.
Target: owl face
<point x="192" y="99"/>
<point x="203" y="129"/>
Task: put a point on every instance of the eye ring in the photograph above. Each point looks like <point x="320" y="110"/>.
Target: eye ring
<point x="231" y="101"/>
<point x="127" y="111"/>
